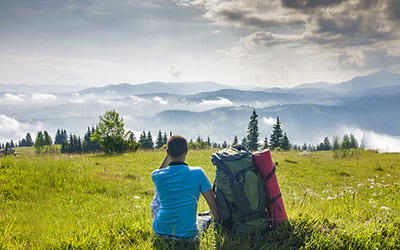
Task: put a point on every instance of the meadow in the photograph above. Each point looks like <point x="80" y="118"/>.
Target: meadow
<point x="102" y="201"/>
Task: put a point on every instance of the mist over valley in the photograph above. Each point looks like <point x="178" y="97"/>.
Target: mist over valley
<point x="365" y="106"/>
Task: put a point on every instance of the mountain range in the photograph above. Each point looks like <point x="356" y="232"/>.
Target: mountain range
<point x="309" y="112"/>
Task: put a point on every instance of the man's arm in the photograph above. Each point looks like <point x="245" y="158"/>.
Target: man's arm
<point x="209" y="196"/>
<point x="166" y="161"/>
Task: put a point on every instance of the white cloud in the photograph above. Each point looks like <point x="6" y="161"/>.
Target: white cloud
<point x="39" y="97"/>
<point x="269" y="121"/>
<point x="12" y="129"/>
<point x="218" y="102"/>
<point x="373" y="140"/>
<point x="160" y="100"/>
<point x="8" y="97"/>
<point x="138" y="100"/>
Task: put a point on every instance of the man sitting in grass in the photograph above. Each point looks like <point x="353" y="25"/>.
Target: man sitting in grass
<point x="178" y="187"/>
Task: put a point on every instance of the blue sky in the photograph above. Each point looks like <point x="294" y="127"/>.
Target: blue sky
<point x="238" y="42"/>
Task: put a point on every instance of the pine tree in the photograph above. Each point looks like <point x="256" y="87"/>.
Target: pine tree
<point x="336" y="143"/>
<point x="252" y="132"/>
<point x="265" y="145"/>
<point x="346" y="143"/>
<point x="235" y="140"/>
<point x="208" y="141"/>
<point x="29" y="141"/>
<point x="165" y="139"/>
<point x="160" y="140"/>
<point x="353" y="141"/>
<point x="284" y="142"/>
<point x="276" y="135"/>
<point x="47" y="138"/>
<point x="57" y="138"/>
<point x="225" y="144"/>
<point x="60" y="137"/>
<point x="327" y="144"/>
<point x="244" y="142"/>
<point x="143" y="140"/>
<point x="149" y="140"/>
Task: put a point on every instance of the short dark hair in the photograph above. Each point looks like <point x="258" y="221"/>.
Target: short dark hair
<point x="176" y="145"/>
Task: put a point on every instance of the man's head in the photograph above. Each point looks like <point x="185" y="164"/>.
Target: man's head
<point x="177" y="146"/>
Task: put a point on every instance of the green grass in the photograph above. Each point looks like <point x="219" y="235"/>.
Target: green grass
<point x="98" y="201"/>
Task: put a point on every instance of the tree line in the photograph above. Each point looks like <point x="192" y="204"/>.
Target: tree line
<point x="347" y="142"/>
<point x="110" y="136"/>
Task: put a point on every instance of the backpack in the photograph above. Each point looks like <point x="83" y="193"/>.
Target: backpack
<point x="240" y="192"/>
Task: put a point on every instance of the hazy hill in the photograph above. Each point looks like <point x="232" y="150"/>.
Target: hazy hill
<point x="304" y="122"/>
<point x="182" y="88"/>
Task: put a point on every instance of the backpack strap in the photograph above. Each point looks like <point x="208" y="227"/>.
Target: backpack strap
<point x="270" y="174"/>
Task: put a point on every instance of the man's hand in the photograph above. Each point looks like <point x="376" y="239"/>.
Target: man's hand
<point x="209" y="196"/>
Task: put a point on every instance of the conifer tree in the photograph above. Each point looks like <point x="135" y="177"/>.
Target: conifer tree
<point x="149" y="140"/>
<point x="47" y="138"/>
<point x="276" y="135"/>
<point x="165" y="139"/>
<point x="265" y="145"/>
<point x="284" y="142"/>
<point x="252" y="132"/>
<point x="160" y="140"/>
<point x="235" y="140"/>
<point x="143" y="139"/>
<point x="336" y="143"/>
<point x="244" y="142"/>
<point x="327" y="144"/>
<point x="346" y="143"/>
<point x="353" y="141"/>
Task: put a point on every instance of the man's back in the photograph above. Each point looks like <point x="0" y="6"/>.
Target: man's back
<point x="179" y="187"/>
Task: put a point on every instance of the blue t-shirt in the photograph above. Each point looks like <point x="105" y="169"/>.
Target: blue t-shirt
<point x="179" y="187"/>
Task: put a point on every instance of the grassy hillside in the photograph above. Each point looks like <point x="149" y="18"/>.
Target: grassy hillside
<point x="88" y="201"/>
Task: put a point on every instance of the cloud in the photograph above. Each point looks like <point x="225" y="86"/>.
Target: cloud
<point x="12" y="129"/>
<point x="331" y="27"/>
<point x="269" y="121"/>
<point x="374" y="141"/>
<point x="305" y="4"/>
<point x="218" y="102"/>
<point x="38" y="97"/>
<point x="138" y="100"/>
<point x="175" y="71"/>
<point x="160" y="100"/>
<point x="8" y="97"/>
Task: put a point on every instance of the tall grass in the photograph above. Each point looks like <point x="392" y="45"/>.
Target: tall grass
<point x="99" y="201"/>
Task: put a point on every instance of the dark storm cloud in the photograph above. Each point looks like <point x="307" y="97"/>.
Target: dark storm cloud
<point x="247" y="19"/>
<point x="394" y="9"/>
<point x="305" y="4"/>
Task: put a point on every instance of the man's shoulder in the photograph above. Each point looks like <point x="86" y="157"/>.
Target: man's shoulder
<point x="159" y="172"/>
<point x="196" y="170"/>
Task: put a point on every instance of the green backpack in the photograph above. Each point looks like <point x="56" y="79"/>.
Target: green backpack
<point x="240" y="194"/>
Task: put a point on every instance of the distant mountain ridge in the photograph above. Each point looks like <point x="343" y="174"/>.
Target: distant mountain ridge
<point x="181" y="88"/>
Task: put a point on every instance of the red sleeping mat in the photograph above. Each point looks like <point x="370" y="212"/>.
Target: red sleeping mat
<point x="276" y="209"/>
